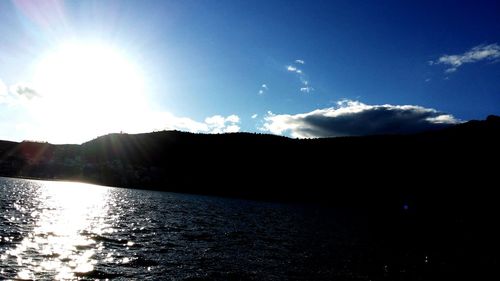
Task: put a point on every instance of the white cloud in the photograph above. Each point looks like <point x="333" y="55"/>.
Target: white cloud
<point x="168" y="121"/>
<point x="255" y="116"/>
<point x="56" y="129"/>
<point x="215" y="120"/>
<point x="305" y="88"/>
<point x="42" y="118"/>
<point x="263" y="89"/>
<point x="353" y="118"/>
<point x="294" y="69"/>
<point x="443" y="119"/>
<point x="157" y="121"/>
<point x="218" y="124"/>
<point x="232" y="129"/>
<point x="489" y="52"/>
<point x="233" y="119"/>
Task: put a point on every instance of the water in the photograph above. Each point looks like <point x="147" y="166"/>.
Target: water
<point x="62" y="230"/>
<point x="74" y="231"/>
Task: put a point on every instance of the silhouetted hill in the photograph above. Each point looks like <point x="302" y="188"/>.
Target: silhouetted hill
<point x="431" y="194"/>
<point x="267" y="166"/>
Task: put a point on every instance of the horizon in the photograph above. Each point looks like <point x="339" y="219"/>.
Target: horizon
<point x="74" y="71"/>
<point x="386" y="134"/>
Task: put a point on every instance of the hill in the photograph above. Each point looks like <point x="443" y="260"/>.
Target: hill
<point x="271" y="167"/>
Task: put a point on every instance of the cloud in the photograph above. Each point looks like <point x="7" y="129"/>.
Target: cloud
<point x="233" y="118"/>
<point x="38" y="118"/>
<point x="167" y="121"/>
<point x="263" y="89"/>
<point x="479" y="53"/>
<point x="255" y="116"/>
<point x="292" y="68"/>
<point x="163" y="120"/>
<point x="232" y="129"/>
<point x="305" y="83"/>
<point x="353" y="118"/>
<point x="24" y="91"/>
<point x="55" y="129"/>
<point x="17" y="94"/>
<point x="218" y="124"/>
<point x="305" y="88"/>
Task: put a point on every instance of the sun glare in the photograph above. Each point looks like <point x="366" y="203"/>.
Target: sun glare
<point x="89" y="86"/>
<point x="70" y="212"/>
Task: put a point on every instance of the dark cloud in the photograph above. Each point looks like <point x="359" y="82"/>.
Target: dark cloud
<point x="353" y="118"/>
<point x="25" y="91"/>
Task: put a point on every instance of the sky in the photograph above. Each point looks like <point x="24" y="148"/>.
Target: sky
<point x="71" y="71"/>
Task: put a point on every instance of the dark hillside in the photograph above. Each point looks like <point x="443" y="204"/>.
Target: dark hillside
<point x="430" y="164"/>
<point x="430" y="194"/>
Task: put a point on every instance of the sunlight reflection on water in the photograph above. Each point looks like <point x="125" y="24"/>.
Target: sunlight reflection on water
<point x="57" y="243"/>
<point x="74" y="231"/>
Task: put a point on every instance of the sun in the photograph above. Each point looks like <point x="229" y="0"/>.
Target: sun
<point x="90" y="88"/>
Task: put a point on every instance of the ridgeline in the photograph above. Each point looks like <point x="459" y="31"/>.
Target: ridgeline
<point x="276" y="168"/>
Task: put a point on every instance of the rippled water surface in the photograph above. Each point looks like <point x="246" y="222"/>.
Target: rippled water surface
<point x="61" y="230"/>
<point x="74" y="231"/>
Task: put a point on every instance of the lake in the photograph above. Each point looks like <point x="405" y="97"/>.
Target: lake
<point x="64" y="230"/>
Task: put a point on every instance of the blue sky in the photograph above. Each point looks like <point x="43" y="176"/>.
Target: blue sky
<point x="203" y="65"/>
